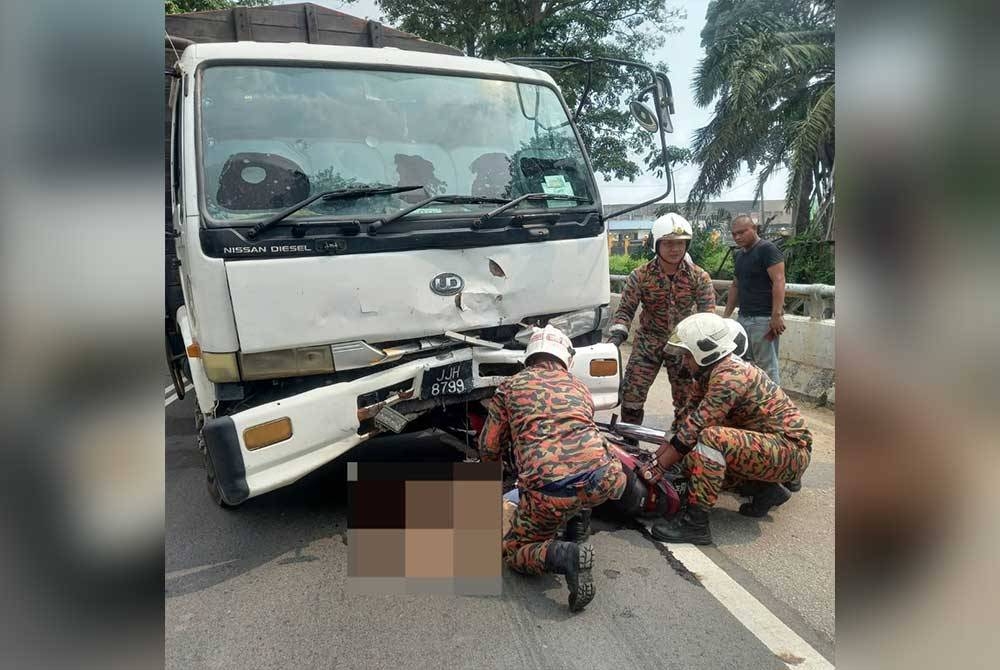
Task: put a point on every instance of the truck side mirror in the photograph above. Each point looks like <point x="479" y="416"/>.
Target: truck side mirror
<point x="668" y="124"/>
<point x="644" y="116"/>
<point x="664" y="99"/>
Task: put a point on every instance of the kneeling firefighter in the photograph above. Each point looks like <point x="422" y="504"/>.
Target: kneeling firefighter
<point x="763" y="495"/>
<point x="545" y="416"/>
<point x="744" y="426"/>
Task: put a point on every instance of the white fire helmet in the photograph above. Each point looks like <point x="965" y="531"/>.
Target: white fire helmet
<point x="671" y="226"/>
<point x="740" y="338"/>
<point x="550" y="340"/>
<point x="707" y="336"/>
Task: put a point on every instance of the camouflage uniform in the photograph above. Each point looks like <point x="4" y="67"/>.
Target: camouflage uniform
<point x="545" y="416"/>
<point x="694" y="392"/>
<point x="665" y="301"/>
<point x="744" y="428"/>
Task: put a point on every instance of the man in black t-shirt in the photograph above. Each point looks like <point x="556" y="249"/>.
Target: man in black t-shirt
<point x="758" y="289"/>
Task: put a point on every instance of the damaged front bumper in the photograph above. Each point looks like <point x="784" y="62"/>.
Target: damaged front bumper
<point x="326" y="422"/>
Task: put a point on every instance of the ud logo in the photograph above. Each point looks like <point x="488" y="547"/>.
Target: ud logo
<point x="447" y="283"/>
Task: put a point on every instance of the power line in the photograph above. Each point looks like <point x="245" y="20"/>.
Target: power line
<point x="648" y="186"/>
<point x="733" y="188"/>
<point x="631" y="185"/>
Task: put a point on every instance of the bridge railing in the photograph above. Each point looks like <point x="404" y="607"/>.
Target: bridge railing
<point x="817" y="301"/>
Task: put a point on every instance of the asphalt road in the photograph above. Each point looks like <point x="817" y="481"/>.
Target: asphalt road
<point x="262" y="586"/>
<point x="787" y="558"/>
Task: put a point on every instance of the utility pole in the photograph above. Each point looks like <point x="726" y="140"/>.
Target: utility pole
<point x="673" y="185"/>
<point x="760" y="196"/>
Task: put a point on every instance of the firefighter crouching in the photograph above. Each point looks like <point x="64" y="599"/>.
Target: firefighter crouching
<point x="763" y="495"/>
<point x="545" y="416"/>
<point x="744" y="426"/>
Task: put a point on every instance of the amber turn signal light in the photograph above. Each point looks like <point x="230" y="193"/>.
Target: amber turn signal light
<point x="603" y="367"/>
<point x="266" y="434"/>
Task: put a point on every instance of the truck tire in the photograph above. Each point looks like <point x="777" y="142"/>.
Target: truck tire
<point x="211" y="483"/>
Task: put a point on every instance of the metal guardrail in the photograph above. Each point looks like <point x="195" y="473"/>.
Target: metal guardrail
<point x="817" y="301"/>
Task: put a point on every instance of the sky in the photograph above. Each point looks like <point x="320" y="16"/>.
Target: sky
<point x="681" y="52"/>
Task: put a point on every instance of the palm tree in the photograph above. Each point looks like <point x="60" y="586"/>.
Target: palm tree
<point x="769" y="68"/>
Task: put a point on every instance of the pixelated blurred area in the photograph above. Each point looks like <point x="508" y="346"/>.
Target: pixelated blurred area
<point x="426" y="527"/>
<point x="918" y="316"/>
<point x="81" y="247"/>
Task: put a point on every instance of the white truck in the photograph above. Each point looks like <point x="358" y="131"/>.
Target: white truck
<point x="363" y="238"/>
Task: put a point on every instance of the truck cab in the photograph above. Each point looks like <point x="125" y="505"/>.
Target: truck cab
<point x="364" y="239"/>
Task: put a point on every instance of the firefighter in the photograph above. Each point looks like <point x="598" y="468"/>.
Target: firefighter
<point x="744" y="426"/>
<point x="669" y="288"/>
<point x="743" y="487"/>
<point x="695" y="389"/>
<point x="545" y="416"/>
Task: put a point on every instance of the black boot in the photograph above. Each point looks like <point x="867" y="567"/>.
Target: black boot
<point x="690" y="526"/>
<point x="795" y="485"/>
<point x="578" y="528"/>
<point x="575" y="561"/>
<point x="770" y="495"/>
<point x="749" y="488"/>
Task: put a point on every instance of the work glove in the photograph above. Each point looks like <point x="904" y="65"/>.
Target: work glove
<point x="616" y="339"/>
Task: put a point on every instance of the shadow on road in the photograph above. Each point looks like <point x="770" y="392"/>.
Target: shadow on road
<point x="207" y="545"/>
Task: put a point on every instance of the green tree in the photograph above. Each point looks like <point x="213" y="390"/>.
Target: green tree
<point x="184" y="6"/>
<point x="809" y="259"/>
<point x="769" y="68"/>
<point x="675" y="156"/>
<point x="624" y="29"/>
<point x="622" y="265"/>
<point x="719" y="221"/>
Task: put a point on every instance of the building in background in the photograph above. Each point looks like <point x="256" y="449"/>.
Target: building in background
<point x="637" y="223"/>
<point x="625" y="235"/>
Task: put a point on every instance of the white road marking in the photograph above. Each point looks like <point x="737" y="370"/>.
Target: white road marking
<point x="190" y="571"/>
<point x="796" y="653"/>
<point x="170" y="398"/>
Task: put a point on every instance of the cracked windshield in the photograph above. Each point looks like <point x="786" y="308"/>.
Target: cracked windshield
<point x="274" y="136"/>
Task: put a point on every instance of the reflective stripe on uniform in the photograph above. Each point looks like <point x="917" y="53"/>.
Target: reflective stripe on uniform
<point x="710" y="453"/>
<point x="619" y="328"/>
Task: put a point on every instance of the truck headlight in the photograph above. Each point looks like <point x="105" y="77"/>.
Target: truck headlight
<point x="287" y="363"/>
<point x="603" y="316"/>
<point x="220" y="368"/>
<point x="577" y="323"/>
<point x="572" y="324"/>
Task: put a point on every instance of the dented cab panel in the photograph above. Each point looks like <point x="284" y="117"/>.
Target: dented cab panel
<point x="378" y="297"/>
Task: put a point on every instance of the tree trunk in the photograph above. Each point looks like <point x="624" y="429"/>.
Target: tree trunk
<point x="536" y="12"/>
<point x="800" y="213"/>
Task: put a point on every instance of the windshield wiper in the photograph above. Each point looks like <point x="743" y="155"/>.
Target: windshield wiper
<point x="529" y="197"/>
<point x="339" y="194"/>
<point x="448" y="199"/>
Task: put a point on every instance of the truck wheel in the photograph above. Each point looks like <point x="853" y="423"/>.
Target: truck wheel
<point x="213" y="485"/>
<point x="211" y="482"/>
